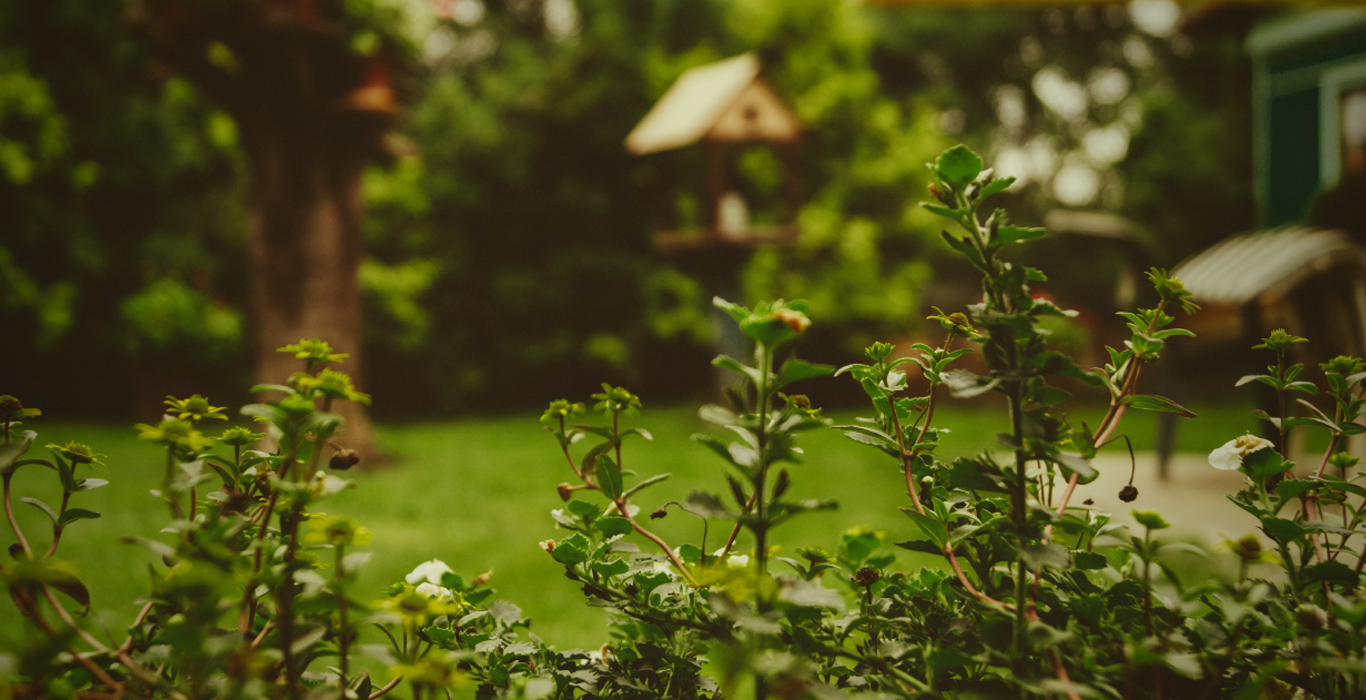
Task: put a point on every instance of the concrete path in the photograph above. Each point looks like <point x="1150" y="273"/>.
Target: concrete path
<point x="1191" y="499"/>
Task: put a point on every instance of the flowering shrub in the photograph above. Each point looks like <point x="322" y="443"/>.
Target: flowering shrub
<point x="1035" y="596"/>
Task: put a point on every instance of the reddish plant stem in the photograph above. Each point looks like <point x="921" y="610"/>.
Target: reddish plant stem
<point x="621" y="506"/>
<point x="387" y="687"/>
<point x="9" y="513"/>
<point x="908" y="459"/>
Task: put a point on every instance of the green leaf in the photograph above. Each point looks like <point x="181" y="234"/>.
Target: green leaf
<point x="1076" y="464"/>
<point x="1263" y="463"/>
<point x="719" y="415"/>
<point x="1293" y="488"/>
<point x="1050" y="395"/>
<point x="585" y="510"/>
<point x="796" y="370"/>
<point x="609" y="477"/>
<point x="925" y="546"/>
<point x="1090" y="561"/>
<point x="730" y="363"/>
<point x="1334" y="572"/>
<point x="958" y="166"/>
<point x="934" y="529"/>
<point x="571" y="551"/>
<point x="706" y="505"/>
<point x="963" y="384"/>
<point x="613" y="525"/>
<point x="1282" y="530"/>
<point x="975" y="475"/>
<point x="74" y="514"/>
<point x="159" y="548"/>
<point x="995" y="186"/>
<point x="1040" y="555"/>
<point x="41" y="506"/>
<point x="1018" y="234"/>
<point x="10" y="452"/>
<point x="615" y="567"/>
<point x="1148" y="402"/>
<point x="1151" y="520"/>
<point x="648" y="482"/>
<point x="590" y="458"/>
<point x="963" y="247"/>
<point x="90" y="483"/>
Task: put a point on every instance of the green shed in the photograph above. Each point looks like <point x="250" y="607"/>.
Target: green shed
<point x="1309" y="95"/>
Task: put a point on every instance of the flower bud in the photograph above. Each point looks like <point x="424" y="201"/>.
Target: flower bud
<point x="548" y="545"/>
<point x="1249" y="548"/>
<point x="656" y="515"/>
<point x="1311" y="617"/>
<point x="344" y="459"/>
<point x="565" y="491"/>
<point x="866" y="577"/>
<point x="1128" y="493"/>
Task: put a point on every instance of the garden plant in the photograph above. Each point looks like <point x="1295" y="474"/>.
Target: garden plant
<point x="1031" y="594"/>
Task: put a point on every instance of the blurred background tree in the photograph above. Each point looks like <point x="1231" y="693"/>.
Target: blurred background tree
<point x="507" y="239"/>
<point x="122" y="235"/>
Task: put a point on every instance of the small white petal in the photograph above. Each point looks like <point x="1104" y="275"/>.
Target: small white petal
<point x="737" y="561"/>
<point x="429" y="571"/>
<point x="434" y="591"/>
<point x="1226" y="457"/>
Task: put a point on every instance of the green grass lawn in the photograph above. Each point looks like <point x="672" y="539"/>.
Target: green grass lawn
<point x="477" y="493"/>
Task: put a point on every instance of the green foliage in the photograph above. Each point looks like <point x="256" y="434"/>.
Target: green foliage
<point x="119" y="192"/>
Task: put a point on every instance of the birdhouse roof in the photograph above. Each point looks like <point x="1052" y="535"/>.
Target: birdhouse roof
<point x="724" y="101"/>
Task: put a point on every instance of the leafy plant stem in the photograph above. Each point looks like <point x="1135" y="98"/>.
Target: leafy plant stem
<point x="678" y="563"/>
<point x="172" y="498"/>
<point x="1019" y="511"/>
<point x="907" y="461"/>
<point x="344" y="634"/>
<point x="760" y="525"/>
<point x="57" y="529"/>
<point x="9" y="514"/>
<point x="1280" y="399"/>
<point x="285" y="615"/>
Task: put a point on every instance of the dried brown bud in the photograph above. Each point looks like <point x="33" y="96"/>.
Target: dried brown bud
<point x="939" y="195"/>
<point x="1089" y="502"/>
<point x="1311" y="617"/>
<point x="343" y="460"/>
<point x="1128" y="493"/>
<point x="482" y="579"/>
<point x="658" y="514"/>
<point x="565" y="491"/>
<point x="548" y="545"/>
<point x="866" y="577"/>
<point x="1249" y="548"/>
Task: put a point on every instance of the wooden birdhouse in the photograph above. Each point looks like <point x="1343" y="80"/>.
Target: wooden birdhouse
<point x="726" y="107"/>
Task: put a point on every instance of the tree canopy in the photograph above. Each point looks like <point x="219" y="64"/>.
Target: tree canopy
<point x="507" y="239"/>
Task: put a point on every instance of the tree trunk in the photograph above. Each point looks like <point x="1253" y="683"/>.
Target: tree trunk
<point x="305" y="249"/>
<point x="311" y="111"/>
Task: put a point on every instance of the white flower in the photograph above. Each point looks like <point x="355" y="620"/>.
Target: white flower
<point x="429" y="571"/>
<point x="664" y="567"/>
<point x="734" y="561"/>
<point x="1230" y="455"/>
<point x="434" y="591"/>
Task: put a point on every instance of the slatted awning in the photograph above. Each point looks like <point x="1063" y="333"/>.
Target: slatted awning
<point x="1265" y="265"/>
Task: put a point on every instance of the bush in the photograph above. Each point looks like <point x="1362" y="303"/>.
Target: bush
<point x="1037" y="595"/>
